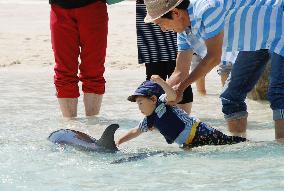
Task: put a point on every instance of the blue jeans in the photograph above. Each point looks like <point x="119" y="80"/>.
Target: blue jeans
<point x="245" y="73"/>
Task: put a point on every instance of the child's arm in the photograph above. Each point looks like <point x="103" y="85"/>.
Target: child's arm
<point x="170" y="92"/>
<point x="131" y="134"/>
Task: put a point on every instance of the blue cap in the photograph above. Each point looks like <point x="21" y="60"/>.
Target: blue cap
<point x="148" y="88"/>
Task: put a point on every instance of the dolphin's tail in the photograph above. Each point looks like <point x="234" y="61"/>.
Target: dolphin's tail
<point x="107" y="138"/>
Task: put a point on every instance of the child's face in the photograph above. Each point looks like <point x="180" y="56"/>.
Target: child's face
<point x="146" y="105"/>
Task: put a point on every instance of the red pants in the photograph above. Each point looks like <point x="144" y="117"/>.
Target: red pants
<point x="79" y="32"/>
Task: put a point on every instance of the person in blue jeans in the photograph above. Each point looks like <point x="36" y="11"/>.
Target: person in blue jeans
<point x="243" y="78"/>
<point x="253" y="27"/>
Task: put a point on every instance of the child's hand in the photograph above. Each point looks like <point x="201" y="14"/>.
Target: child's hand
<point x="117" y="143"/>
<point x="156" y="78"/>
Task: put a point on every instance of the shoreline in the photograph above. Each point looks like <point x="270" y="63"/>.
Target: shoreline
<point x="25" y="40"/>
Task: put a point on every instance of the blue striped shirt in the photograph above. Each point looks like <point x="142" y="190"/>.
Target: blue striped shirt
<point x="248" y="24"/>
<point x="187" y="40"/>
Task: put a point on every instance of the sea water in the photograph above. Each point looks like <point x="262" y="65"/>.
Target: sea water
<point x="28" y="161"/>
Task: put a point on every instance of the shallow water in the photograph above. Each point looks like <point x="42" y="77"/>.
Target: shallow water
<point x="29" y="112"/>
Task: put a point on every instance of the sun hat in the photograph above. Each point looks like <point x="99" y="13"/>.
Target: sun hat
<point x="157" y="8"/>
<point x="147" y="88"/>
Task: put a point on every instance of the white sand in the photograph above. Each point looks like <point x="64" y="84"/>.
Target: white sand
<point x="25" y="35"/>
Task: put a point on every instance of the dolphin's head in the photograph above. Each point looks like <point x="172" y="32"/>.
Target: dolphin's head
<point x="56" y="135"/>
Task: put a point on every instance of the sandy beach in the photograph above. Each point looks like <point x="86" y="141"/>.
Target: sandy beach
<point x="25" y="36"/>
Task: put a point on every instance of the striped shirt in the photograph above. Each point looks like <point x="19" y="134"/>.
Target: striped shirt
<point x="172" y="122"/>
<point x="248" y="25"/>
<point x="186" y="40"/>
<point x="154" y="45"/>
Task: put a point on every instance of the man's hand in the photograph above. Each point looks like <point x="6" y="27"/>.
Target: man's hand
<point x="179" y="94"/>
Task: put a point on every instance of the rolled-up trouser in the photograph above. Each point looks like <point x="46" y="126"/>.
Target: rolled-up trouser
<point x="79" y="32"/>
<point x="244" y="75"/>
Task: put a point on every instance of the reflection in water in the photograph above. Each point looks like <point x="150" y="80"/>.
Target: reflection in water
<point x="143" y="155"/>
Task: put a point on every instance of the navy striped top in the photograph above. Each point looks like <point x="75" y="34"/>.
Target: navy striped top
<point x="154" y="45"/>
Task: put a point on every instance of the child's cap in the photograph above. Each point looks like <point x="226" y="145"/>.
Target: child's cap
<point x="147" y="88"/>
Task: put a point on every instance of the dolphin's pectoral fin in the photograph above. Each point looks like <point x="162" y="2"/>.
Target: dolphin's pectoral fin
<point x="107" y="138"/>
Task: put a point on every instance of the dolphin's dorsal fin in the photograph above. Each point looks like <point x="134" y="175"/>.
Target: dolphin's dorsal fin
<point x="107" y="138"/>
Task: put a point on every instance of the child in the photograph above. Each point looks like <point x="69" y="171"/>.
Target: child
<point x="173" y="123"/>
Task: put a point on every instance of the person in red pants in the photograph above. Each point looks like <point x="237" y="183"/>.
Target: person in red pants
<point x="79" y="29"/>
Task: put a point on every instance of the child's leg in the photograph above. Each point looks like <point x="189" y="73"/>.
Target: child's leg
<point x="206" y="135"/>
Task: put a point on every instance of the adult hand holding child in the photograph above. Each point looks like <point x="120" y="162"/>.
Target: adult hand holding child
<point x="177" y="95"/>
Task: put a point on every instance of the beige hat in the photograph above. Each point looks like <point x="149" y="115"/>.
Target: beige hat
<point x="157" y="8"/>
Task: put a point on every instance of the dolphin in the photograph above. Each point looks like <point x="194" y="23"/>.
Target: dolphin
<point x="85" y="142"/>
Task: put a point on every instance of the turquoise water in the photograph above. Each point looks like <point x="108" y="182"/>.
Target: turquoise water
<point x="29" y="112"/>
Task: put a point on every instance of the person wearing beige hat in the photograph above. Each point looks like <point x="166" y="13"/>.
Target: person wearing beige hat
<point x="253" y="27"/>
<point x="157" y="50"/>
